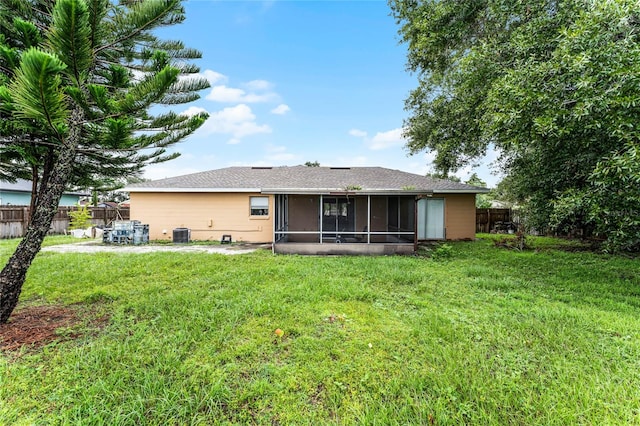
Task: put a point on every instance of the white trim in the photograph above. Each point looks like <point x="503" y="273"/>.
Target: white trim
<point x="313" y="191"/>
<point x="341" y="192"/>
<point x="461" y="191"/>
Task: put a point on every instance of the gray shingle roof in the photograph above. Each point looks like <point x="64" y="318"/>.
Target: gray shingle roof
<point x="303" y="179"/>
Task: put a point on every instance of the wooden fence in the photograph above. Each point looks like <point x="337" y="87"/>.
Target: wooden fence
<point x="486" y="219"/>
<point x="14" y="219"/>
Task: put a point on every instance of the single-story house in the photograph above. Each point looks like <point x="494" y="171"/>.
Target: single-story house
<point x="19" y="194"/>
<point x="304" y="209"/>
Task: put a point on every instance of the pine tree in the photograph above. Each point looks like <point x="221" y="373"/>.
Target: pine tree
<point x="77" y="81"/>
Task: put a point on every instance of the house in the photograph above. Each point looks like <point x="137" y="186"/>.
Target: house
<point x="19" y="194"/>
<point x="304" y="209"/>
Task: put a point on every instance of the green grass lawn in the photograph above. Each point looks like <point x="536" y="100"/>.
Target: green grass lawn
<point x="485" y="336"/>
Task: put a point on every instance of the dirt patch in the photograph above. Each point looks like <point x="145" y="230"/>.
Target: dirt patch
<point x="36" y="326"/>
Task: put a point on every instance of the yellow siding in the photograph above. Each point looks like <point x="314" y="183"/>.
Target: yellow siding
<point x="211" y="215"/>
<point x="460" y="216"/>
<point x="208" y="215"/>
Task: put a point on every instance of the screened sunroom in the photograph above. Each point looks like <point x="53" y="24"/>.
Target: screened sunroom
<point x="341" y="218"/>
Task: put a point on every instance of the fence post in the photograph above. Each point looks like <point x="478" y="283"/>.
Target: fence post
<point x="25" y="220"/>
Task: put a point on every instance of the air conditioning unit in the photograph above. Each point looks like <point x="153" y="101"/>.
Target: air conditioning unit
<point x="181" y="235"/>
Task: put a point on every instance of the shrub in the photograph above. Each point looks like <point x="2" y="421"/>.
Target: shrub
<point x="80" y="218"/>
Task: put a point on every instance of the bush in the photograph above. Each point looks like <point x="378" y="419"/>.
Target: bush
<point x="442" y="251"/>
<point x="611" y="202"/>
<point x="80" y="218"/>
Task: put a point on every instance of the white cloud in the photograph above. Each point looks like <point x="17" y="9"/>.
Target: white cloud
<point x="237" y="121"/>
<point x="193" y="110"/>
<point x="281" y="109"/>
<point x="358" y="133"/>
<point x="381" y="140"/>
<point x="226" y="94"/>
<point x="258" y="85"/>
<point x="214" y="77"/>
<point x="277" y="154"/>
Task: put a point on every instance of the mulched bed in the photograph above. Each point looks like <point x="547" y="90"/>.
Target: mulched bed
<point x="37" y="326"/>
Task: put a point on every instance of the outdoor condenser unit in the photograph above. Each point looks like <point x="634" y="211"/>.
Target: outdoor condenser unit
<point x="181" y="235"/>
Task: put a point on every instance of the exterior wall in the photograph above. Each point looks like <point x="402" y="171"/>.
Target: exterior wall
<point x="211" y="215"/>
<point x="69" y="200"/>
<point x="459" y="216"/>
<point x="208" y="215"/>
<point x="343" y="249"/>
<point x="11" y="198"/>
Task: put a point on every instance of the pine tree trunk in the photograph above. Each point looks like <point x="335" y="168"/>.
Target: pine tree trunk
<point x="14" y="273"/>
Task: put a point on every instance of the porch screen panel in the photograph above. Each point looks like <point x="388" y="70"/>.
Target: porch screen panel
<point x="303" y="218"/>
<point x="379" y="214"/>
<point x="407" y="212"/>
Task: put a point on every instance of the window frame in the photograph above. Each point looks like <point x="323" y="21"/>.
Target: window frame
<point x="261" y="210"/>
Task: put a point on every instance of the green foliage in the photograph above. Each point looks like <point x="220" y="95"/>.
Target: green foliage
<point x="552" y="85"/>
<point x="104" y="58"/>
<point x="80" y="218"/>
<point x="442" y="251"/>
<point x="570" y="213"/>
<point x="37" y="93"/>
<point x="610" y="204"/>
<point x="483" y="201"/>
<point x="489" y="337"/>
<point x="443" y="175"/>
<point x="312" y="164"/>
<point x="75" y="107"/>
<point x="615" y="199"/>
<point x="353" y="188"/>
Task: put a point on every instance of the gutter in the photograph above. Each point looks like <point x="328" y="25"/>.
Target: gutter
<point x="306" y="191"/>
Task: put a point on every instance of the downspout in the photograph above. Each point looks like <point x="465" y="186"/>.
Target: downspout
<point x="320" y="217"/>
<point x="369" y="219"/>
<point x="275" y="219"/>
<point x="415" y="224"/>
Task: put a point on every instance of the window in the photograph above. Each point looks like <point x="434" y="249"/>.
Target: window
<point x="259" y="206"/>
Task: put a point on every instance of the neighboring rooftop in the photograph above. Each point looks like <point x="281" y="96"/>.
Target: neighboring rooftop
<point x="22" y="185"/>
<point x="302" y="179"/>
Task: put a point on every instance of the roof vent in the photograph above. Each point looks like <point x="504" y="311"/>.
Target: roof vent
<point x="261" y="168"/>
<point x="340" y="168"/>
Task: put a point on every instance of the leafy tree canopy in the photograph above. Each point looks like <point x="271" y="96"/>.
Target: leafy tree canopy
<point x="483" y="201"/>
<point x="553" y="85"/>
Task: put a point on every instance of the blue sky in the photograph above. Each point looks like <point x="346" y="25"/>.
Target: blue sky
<point x="297" y="81"/>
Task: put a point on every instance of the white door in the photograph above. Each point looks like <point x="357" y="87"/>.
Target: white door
<point x="431" y="219"/>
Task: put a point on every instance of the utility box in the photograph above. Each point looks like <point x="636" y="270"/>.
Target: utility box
<point x="140" y="233"/>
<point x="126" y="232"/>
<point x="181" y="235"/>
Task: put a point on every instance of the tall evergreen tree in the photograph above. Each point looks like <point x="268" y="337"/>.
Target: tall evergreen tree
<point x="78" y="79"/>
